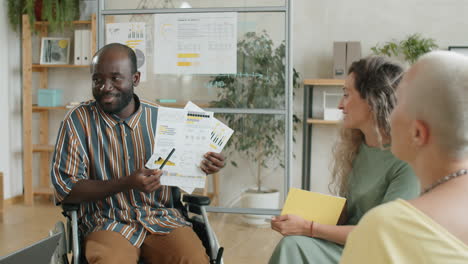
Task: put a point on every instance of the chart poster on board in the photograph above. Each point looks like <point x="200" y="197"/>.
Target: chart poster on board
<point x="132" y="35"/>
<point x="195" y="43"/>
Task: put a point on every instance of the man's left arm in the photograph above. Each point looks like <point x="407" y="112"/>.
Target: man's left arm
<point x="212" y="163"/>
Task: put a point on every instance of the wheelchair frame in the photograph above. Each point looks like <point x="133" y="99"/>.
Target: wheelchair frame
<point x="193" y="204"/>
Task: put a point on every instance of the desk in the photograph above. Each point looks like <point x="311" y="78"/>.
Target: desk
<point x="308" y="121"/>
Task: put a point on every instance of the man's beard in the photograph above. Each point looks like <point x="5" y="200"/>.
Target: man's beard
<point x="122" y="98"/>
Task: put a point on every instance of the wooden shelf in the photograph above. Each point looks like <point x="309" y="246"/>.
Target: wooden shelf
<point x="43" y="191"/>
<point x="36" y="108"/>
<point x="43" y="148"/>
<point x="40" y="66"/>
<point x="322" y="122"/>
<point x="324" y="82"/>
<point x="76" y="22"/>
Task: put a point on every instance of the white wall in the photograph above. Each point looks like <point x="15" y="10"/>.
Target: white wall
<point x="316" y="25"/>
<point x="10" y="107"/>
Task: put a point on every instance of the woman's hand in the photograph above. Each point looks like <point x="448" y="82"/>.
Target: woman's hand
<point x="291" y="225"/>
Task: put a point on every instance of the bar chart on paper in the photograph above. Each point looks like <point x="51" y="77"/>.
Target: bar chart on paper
<point x="219" y="136"/>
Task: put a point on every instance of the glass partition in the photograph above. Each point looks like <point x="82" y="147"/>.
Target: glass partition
<point x="254" y="99"/>
<point x="150" y="4"/>
<point x="257" y="83"/>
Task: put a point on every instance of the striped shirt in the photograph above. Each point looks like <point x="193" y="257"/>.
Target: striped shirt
<point x="92" y="144"/>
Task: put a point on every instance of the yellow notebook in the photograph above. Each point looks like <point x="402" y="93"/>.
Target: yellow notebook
<point x="313" y="206"/>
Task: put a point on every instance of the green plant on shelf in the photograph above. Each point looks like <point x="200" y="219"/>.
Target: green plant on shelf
<point x="59" y="13"/>
<point x="259" y="83"/>
<point x="410" y="48"/>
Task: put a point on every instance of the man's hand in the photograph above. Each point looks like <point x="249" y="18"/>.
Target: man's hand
<point x="290" y="225"/>
<point x="212" y="163"/>
<point x="145" y="180"/>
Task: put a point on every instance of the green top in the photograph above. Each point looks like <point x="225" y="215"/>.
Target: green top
<point x="377" y="177"/>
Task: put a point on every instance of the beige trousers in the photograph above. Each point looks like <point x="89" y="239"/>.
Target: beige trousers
<point x="182" y="245"/>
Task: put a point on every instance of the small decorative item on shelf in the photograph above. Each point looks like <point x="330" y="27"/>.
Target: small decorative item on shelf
<point x="55" y="50"/>
<point x="330" y="106"/>
<point x="49" y="97"/>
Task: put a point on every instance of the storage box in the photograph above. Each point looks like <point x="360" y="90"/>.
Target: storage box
<point x="339" y="60"/>
<point x="49" y="97"/>
<point x="330" y="106"/>
<point x="353" y="52"/>
<point x="344" y="54"/>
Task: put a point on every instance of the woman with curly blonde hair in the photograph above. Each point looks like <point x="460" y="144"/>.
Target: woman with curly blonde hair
<point x="364" y="170"/>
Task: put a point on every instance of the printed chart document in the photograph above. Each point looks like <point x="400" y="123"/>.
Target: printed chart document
<point x="132" y="34"/>
<point x="313" y="206"/>
<point x="195" y="43"/>
<point x="220" y="133"/>
<point x="189" y="131"/>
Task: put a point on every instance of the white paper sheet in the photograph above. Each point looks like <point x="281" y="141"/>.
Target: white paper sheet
<point x="219" y="134"/>
<point x="195" y="43"/>
<point x="192" y="132"/>
<point x="188" y="132"/>
<point x="133" y="35"/>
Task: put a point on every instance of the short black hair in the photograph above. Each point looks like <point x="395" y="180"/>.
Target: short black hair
<point x="130" y="53"/>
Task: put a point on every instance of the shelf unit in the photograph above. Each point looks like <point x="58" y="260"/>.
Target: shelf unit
<point x="44" y="148"/>
<point x="309" y="84"/>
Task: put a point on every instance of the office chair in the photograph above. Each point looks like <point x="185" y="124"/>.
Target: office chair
<point x="190" y="204"/>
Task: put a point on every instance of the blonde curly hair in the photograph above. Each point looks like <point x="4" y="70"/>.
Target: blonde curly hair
<point x="376" y="79"/>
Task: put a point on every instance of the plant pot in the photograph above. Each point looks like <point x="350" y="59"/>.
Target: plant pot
<point x="266" y="198"/>
<point x="38" y="10"/>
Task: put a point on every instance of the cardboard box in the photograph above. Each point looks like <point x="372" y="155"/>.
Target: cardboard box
<point x="344" y="54"/>
<point x="353" y="52"/>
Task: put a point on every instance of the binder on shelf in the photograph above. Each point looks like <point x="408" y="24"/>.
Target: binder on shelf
<point x="77" y="48"/>
<point x="339" y="60"/>
<point x="353" y="52"/>
<point x="344" y="54"/>
<point x="86" y="46"/>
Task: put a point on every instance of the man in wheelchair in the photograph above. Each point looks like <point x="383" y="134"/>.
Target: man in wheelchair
<point x="101" y="149"/>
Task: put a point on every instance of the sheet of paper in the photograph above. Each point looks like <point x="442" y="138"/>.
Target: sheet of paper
<point x="313" y="206"/>
<point x="188" y="132"/>
<point x="219" y="134"/>
<point x="217" y="128"/>
<point x="133" y="35"/>
<point x="195" y="43"/>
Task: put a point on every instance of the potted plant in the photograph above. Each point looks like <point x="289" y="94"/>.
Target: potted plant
<point x="410" y="48"/>
<point x="259" y="83"/>
<point x="57" y="12"/>
<point x="16" y="8"/>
